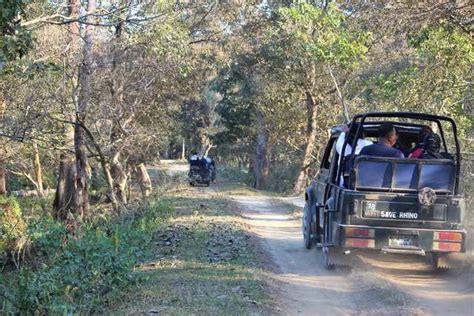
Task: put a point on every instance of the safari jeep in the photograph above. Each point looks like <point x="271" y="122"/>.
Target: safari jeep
<point x="389" y="205"/>
<point x="199" y="175"/>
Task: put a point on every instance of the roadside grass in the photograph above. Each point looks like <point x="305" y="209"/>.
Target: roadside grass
<point x="55" y="273"/>
<point x="204" y="262"/>
<point x="234" y="188"/>
<point x="241" y="176"/>
<point x="231" y="186"/>
<point x="61" y="274"/>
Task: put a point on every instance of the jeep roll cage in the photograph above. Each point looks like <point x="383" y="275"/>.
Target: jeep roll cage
<point x="361" y="119"/>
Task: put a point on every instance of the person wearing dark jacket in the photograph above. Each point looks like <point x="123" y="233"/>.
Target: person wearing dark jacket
<point x="431" y="147"/>
<point x="384" y="148"/>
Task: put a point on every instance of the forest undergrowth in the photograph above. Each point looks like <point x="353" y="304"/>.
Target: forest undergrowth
<point x="55" y="272"/>
<point x="204" y="261"/>
<point x="179" y="251"/>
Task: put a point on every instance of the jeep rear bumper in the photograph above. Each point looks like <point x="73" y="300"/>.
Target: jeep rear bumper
<point x="401" y="240"/>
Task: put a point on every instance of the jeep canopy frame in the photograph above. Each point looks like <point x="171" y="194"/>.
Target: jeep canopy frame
<point x="362" y="118"/>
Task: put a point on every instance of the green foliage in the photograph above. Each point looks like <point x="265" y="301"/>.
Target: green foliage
<point x="323" y="34"/>
<point x="16" y="182"/>
<point x="81" y="275"/>
<point x="15" y="40"/>
<point x="97" y="180"/>
<point x="290" y="59"/>
<point x="12" y="226"/>
<point x="236" y="174"/>
<point x="34" y="206"/>
<point x="437" y="80"/>
<point x="282" y="176"/>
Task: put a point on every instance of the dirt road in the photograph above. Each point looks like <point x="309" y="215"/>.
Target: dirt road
<point x="381" y="285"/>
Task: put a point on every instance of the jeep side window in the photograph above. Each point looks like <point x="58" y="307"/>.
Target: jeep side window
<point x="328" y="153"/>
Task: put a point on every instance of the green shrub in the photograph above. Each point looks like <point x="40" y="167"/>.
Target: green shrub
<point x="158" y="208"/>
<point x="12" y="225"/>
<point x="234" y="173"/>
<point x="85" y="272"/>
<point x="36" y="207"/>
<point x="282" y="176"/>
<point x="97" y="181"/>
<point x="15" y="183"/>
<point x="81" y="276"/>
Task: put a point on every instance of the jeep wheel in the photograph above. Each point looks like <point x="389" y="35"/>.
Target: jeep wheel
<point x="306" y="225"/>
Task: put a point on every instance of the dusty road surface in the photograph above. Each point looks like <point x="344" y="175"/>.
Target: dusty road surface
<point x="379" y="285"/>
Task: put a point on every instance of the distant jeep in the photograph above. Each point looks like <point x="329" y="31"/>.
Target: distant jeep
<point x="200" y="172"/>
<point x="390" y="205"/>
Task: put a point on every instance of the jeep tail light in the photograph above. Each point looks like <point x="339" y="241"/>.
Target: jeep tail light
<point x="446" y="246"/>
<point x="360" y="243"/>
<point x="447" y="236"/>
<point x="359" y="232"/>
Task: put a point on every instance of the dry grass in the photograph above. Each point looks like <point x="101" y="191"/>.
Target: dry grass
<point x="204" y="263"/>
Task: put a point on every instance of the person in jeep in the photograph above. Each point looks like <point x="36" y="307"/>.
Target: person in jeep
<point x="361" y="143"/>
<point x="431" y="147"/>
<point x="384" y="148"/>
<point x="418" y="150"/>
<point x="345" y="134"/>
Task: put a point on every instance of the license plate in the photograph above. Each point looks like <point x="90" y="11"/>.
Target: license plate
<point x="401" y="241"/>
<point x="391" y="210"/>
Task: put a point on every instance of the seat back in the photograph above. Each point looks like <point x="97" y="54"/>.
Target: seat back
<point x="403" y="175"/>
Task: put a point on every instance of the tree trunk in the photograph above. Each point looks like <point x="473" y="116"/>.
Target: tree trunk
<point x="143" y="179"/>
<point x="3" y="187"/>
<point x="64" y="191"/>
<point x="311" y="140"/>
<point x="38" y="170"/>
<point x="261" y="159"/>
<point x="206" y="153"/>
<point x="81" y="194"/>
<point x="110" y="184"/>
<point x="266" y="161"/>
<point x="205" y="142"/>
<point x="3" y="182"/>
<point x="183" y="150"/>
<point x="119" y="176"/>
<point x="81" y="198"/>
<point x="63" y="200"/>
<point x="339" y="93"/>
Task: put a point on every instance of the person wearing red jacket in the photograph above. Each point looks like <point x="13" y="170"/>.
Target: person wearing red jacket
<point x="418" y="150"/>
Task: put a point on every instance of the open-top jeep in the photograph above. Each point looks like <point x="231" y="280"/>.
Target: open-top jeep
<point x="390" y="205"/>
<point x="199" y="174"/>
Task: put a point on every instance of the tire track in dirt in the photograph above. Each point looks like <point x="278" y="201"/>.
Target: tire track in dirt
<point x="380" y="285"/>
<point x="306" y="286"/>
<point x="410" y="282"/>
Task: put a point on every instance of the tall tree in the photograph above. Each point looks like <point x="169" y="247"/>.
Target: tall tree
<point x="81" y="197"/>
<point x="65" y="200"/>
<point x="308" y="42"/>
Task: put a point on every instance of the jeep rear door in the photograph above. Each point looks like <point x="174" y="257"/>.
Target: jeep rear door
<point x="322" y="179"/>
